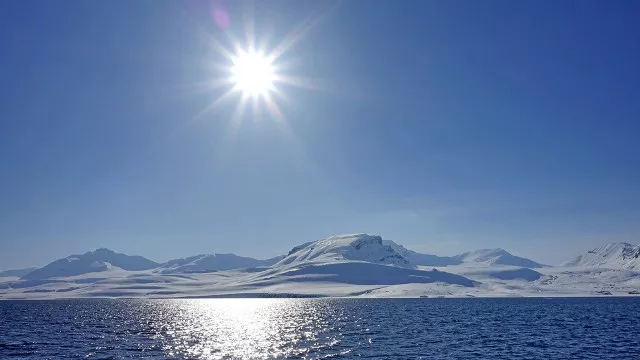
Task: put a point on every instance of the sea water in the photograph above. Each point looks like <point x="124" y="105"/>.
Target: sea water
<point x="578" y="328"/>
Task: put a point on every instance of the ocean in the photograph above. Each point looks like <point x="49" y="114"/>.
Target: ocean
<point x="522" y="328"/>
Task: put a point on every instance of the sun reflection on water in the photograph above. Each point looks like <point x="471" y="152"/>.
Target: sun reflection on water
<point x="247" y="329"/>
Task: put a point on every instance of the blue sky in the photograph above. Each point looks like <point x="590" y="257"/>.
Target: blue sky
<point x="444" y="125"/>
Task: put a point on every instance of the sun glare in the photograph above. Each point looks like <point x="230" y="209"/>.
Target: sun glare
<point x="252" y="73"/>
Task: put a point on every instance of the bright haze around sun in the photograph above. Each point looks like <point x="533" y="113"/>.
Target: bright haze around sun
<point x="252" y="67"/>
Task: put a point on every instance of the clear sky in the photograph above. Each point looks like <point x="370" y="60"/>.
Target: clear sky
<point x="444" y="125"/>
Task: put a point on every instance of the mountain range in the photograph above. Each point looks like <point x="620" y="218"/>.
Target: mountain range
<point x="344" y="265"/>
<point x="488" y="256"/>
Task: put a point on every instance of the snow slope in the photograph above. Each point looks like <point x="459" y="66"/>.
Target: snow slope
<point x="613" y="256"/>
<point x="484" y="271"/>
<point x="92" y="261"/>
<point x="213" y="262"/>
<point x="342" y="278"/>
<point x="359" y="273"/>
<point x="498" y="257"/>
<point x="422" y="259"/>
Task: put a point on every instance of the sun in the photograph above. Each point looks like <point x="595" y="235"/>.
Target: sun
<point x="258" y="74"/>
<point x="252" y="73"/>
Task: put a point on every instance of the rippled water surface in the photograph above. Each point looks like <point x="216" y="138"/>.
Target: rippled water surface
<point x="320" y="328"/>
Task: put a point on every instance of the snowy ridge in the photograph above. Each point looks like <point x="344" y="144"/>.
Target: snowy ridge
<point x="359" y="247"/>
<point x="498" y="257"/>
<point x="212" y="262"/>
<point x="92" y="261"/>
<point x="613" y="256"/>
<point x="422" y="259"/>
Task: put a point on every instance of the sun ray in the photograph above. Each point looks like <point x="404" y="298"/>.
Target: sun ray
<point x="281" y="96"/>
<point x="299" y="32"/>
<point x="230" y="133"/>
<point x="249" y="26"/>
<point x="273" y="108"/>
<point x="255" y="107"/>
<point x="213" y="104"/>
<point x="302" y="82"/>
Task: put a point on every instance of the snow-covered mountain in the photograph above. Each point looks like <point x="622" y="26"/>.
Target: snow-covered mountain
<point x="417" y="258"/>
<point x="486" y="256"/>
<point x="213" y="262"/>
<point x="344" y="265"/>
<point x="92" y="261"/>
<point x="497" y="257"/>
<point x="16" y="272"/>
<point x="356" y="259"/>
<point x="358" y="247"/>
<point x="613" y="256"/>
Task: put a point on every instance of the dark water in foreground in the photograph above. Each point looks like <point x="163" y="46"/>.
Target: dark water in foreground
<point x="300" y="328"/>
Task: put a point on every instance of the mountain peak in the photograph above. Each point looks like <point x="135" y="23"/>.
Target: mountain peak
<point x="619" y="255"/>
<point x="100" y="251"/>
<point x="213" y="262"/>
<point x="92" y="261"/>
<point x="611" y="247"/>
<point x="359" y="247"/>
<point x="497" y="256"/>
<point x="417" y="258"/>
